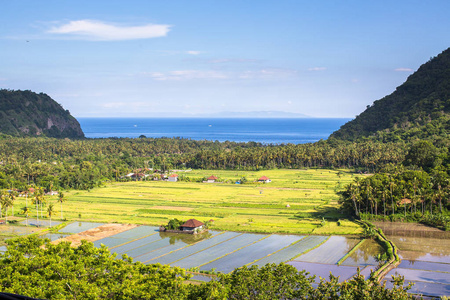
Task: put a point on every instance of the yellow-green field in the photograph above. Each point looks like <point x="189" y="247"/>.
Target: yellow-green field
<point x="252" y="207"/>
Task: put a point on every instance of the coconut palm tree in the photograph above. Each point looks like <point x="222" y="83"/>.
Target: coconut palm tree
<point x="12" y="197"/>
<point x="38" y="198"/>
<point x="50" y="212"/>
<point x="5" y="202"/>
<point x="26" y="211"/>
<point x="392" y="185"/>
<point x="61" y="199"/>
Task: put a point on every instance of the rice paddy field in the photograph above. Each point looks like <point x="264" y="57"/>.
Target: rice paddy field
<point x="296" y="201"/>
<point x="223" y="251"/>
<point x="425" y="254"/>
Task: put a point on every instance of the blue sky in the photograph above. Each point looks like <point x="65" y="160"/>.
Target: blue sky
<point x="191" y="58"/>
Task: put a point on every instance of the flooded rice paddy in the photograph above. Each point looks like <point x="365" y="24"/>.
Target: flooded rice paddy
<point x="425" y="254"/>
<point x="223" y="251"/>
<point x="425" y="251"/>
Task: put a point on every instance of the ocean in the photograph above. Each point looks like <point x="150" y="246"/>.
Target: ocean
<point x="266" y="131"/>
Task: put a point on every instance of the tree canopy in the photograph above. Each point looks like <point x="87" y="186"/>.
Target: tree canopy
<point x="37" y="268"/>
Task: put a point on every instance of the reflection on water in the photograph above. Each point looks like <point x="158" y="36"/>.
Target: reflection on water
<point x="185" y="238"/>
<point x="365" y="254"/>
<point x="417" y="241"/>
<point x="412" y="230"/>
<point x="425" y="254"/>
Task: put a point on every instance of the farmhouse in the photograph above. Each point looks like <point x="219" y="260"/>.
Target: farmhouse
<point x="211" y="179"/>
<point x="173" y="178"/>
<point x="192" y="224"/>
<point x="264" y="179"/>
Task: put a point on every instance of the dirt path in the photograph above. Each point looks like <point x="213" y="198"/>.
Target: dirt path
<point x="97" y="233"/>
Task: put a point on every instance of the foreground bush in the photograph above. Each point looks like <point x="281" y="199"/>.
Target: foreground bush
<point x="37" y="268"/>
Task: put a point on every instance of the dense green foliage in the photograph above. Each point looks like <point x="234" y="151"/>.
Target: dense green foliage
<point x="417" y="109"/>
<point x="83" y="164"/>
<point x="24" y="113"/>
<point x="37" y="268"/>
<point x="401" y="194"/>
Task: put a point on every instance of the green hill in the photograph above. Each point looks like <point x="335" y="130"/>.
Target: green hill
<point x="417" y="109"/>
<point x="24" y="113"/>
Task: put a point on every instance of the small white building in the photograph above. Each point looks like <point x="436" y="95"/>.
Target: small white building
<point x="264" y="179"/>
<point x="173" y="178"/>
<point x="192" y="224"/>
<point x="211" y="179"/>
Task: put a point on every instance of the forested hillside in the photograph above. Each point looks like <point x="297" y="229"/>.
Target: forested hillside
<point x="417" y="109"/>
<point x="24" y="113"/>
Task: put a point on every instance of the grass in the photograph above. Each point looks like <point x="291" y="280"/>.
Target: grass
<point x="252" y="207"/>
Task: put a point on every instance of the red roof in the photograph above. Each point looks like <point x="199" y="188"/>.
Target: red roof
<point x="173" y="175"/>
<point x="212" y="177"/>
<point x="264" y="178"/>
<point x="192" y="223"/>
<point x="405" y="201"/>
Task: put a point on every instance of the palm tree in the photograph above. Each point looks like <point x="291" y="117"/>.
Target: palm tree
<point x="391" y="188"/>
<point x="5" y="202"/>
<point x="26" y="211"/>
<point x="61" y="199"/>
<point x="353" y="195"/>
<point x="38" y="198"/>
<point x="12" y="198"/>
<point x="50" y="212"/>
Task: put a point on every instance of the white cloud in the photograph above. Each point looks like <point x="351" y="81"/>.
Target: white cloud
<point x="100" y="31"/>
<point x="268" y="74"/>
<point x="403" y="70"/>
<point x="317" y="69"/>
<point x="193" y="52"/>
<point x="232" y="60"/>
<point x="217" y="75"/>
<point x="187" y="75"/>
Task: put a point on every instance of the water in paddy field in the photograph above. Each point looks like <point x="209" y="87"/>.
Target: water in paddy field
<point x="267" y="131"/>
<point x="425" y="254"/>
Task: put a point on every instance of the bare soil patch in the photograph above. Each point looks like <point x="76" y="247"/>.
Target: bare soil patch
<point x="97" y="233"/>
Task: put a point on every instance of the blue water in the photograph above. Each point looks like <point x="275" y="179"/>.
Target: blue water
<point x="267" y="131"/>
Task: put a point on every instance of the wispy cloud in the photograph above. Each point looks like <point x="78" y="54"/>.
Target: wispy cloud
<point x="268" y="74"/>
<point x="217" y="75"/>
<point x="192" y="52"/>
<point x="315" y="69"/>
<point x="101" y="31"/>
<point x="403" y="70"/>
<point x="231" y="60"/>
<point x="187" y="75"/>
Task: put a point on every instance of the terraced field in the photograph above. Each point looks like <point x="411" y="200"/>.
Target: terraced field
<point x="294" y="202"/>
<point x="223" y="251"/>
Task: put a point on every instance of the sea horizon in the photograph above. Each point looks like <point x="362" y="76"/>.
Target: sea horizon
<point x="261" y="130"/>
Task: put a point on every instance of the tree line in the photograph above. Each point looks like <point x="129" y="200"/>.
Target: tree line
<point x="84" y="164"/>
<point x="416" y="190"/>
<point x="37" y="268"/>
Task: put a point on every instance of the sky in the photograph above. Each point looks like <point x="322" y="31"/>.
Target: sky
<point x="143" y="58"/>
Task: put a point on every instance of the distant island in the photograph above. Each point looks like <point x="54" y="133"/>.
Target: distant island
<point x="25" y="113"/>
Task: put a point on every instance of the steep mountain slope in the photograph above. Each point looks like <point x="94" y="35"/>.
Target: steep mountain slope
<point x="419" y="108"/>
<point x="24" y="113"/>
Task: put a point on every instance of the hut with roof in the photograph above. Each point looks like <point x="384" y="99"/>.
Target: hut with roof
<point x="211" y="179"/>
<point x="264" y="179"/>
<point x="192" y="225"/>
<point x="173" y="177"/>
